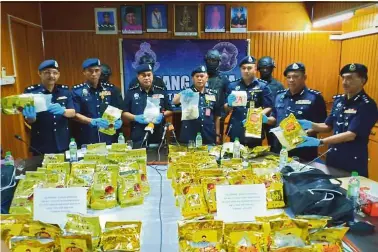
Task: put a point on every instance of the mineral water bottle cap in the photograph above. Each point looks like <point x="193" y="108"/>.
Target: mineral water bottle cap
<point x="354" y="174"/>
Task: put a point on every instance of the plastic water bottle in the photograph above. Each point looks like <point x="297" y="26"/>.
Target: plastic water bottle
<point x="9" y="160"/>
<point x="236" y="148"/>
<point x="73" y="150"/>
<point x="198" y="140"/>
<point x="121" y="138"/>
<point x="354" y="189"/>
<point x="284" y="155"/>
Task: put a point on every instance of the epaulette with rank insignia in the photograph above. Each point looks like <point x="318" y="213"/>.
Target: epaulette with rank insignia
<point x="264" y="81"/>
<point x="314" y="91"/>
<point x="107" y="84"/>
<point x="281" y="91"/>
<point x="78" y="86"/>
<point x="62" y="86"/>
<point x="33" y="86"/>
<point x="134" y="87"/>
<point x="337" y="96"/>
<point x="212" y="91"/>
<point x="366" y="99"/>
<point x="158" y="87"/>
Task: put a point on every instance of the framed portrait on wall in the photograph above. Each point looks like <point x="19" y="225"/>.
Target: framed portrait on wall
<point x="132" y="19"/>
<point x="186" y="19"/>
<point x="106" y="20"/>
<point x="157" y="17"/>
<point x="239" y="19"/>
<point x="215" y="18"/>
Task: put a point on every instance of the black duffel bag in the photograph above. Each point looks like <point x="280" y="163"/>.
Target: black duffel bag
<point x="312" y="193"/>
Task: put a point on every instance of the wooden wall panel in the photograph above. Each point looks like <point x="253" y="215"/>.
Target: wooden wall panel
<point x="363" y="50"/>
<point x="363" y="19"/>
<point x="324" y="9"/>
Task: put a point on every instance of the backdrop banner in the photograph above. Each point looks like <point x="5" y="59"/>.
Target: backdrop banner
<point x="176" y="58"/>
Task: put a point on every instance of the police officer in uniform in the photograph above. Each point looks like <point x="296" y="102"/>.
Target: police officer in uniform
<point x="135" y="104"/>
<point x="91" y="99"/>
<point x="258" y="94"/>
<point x="352" y="117"/>
<point x="265" y="66"/>
<point x="157" y="81"/>
<point x="216" y="81"/>
<point x="208" y="122"/>
<point x="49" y="129"/>
<point x="303" y="102"/>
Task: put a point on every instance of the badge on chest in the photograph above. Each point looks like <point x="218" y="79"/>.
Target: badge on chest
<point x="157" y="96"/>
<point x="303" y="102"/>
<point x="104" y="93"/>
<point x="350" y="111"/>
<point x="210" y="98"/>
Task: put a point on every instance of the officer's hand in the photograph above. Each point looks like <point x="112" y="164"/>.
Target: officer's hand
<point x="305" y="124"/>
<point x="100" y="123"/>
<point x="29" y="112"/>
<point x="159" y="119"/>
<point x="264" y="118"/>
<point x="56" y="109"/>
<point x="309" y="142"/>
<point x="230" y="99"/>
<point x="140" y="119"/>
<point x="118" y="124"/>
<point x="187" y="93"/>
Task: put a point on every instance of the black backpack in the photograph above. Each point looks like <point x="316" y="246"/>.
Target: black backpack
<point x="312" y="193"/>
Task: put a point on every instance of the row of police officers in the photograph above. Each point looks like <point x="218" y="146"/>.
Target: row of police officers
<point x="352" y="117"/>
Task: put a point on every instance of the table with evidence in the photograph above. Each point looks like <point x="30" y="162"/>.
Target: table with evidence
<point x="161" y="229"/>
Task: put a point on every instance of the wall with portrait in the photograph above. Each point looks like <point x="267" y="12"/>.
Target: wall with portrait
<point x="106" y="20"/>
<point x="157" y="17"/>
<point x="239" y="19"/>
<point x="132" y="19"/>
<point x="215" y="18"/>
<point x="186" y="20"/>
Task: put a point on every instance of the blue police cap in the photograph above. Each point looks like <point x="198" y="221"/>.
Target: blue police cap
<point x="143" y="68"/>
<point x="199" y="69"/>
<point x="91" y="62"/>
<point x="48" y="64"/>
<point x="247" y="60"/>
<point x="296" y="66"/>
<point x="355" y="68"/>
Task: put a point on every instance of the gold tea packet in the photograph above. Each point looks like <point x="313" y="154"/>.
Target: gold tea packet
<point x="111" y="114"/>
<point x="42" y="230"/>
<point x="104" y="188"/>
<point x="82" y="174"/>
<point x="315" y="221"/>
<point x="93" y="157"/>
<point x="53" y="158"/>
<point x="75" y="243"/>
<point x="14" y="104"/>
<point x="31" y="244"/>
<point x="292" y="132"/>
<point x="259" y="151"/>
<point x="22" y="202"/>
<point x="244" y="237"/>
<point x="130" y="188"/>
<point x="118" y="147"/>
<point x="194" y="204"/>
<point x="288" y="233"/>
<point x="209" y="187"/>
<point x="12" y="225"/>
<point x="253" y="124"/>
<point x="80" y="224"/>
<point x="121" y="236"/>
<point x="328" y="239"/>
<point x="200" y="235"/>
<point x="99" y="148"/>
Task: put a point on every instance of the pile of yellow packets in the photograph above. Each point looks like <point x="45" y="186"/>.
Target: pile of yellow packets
<point x="267" y="233"/>
<point x="81" y="233"/>
<point x="115" y="178"/>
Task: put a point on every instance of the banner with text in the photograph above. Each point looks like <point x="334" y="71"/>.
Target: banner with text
<point x="176" y="58"/>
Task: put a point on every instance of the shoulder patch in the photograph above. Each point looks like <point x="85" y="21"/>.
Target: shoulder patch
<point x="63" y="86"/>
<point x="337" y="96"/>
<point x="77" y="86"/>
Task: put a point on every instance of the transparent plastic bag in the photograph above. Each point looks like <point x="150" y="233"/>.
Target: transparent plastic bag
<point x="152" y="110"/>
<point x="189" y="107"/>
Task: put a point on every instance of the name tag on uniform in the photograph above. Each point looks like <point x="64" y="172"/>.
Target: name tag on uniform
<point x="350" y="111"/>
<point x="210" y="98"/>
<point x="303" y="102"/>
<point x="256" y="89"/>
<point x="207" y="111"/>
<point x="157" y="96"/>
<point x="61" y="97"/>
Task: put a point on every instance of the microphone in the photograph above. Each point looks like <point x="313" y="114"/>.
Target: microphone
<point x="149" y="130"/>
<point x="172" y="128"/>
<point x="18" y="137"/>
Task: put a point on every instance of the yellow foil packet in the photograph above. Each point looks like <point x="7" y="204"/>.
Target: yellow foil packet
<point x="194" y="204"/>
<point x="75" y="243"/>
<point x="53" y="158"/>
<point x="31" y="244"/>
<point x="292" y="131"/>
<point x="104" y="188"/>
<point x="22" y="202"/>
<point x="315" y="221"/>
<point x="41" y="230"/>
<point x="130" y="189"/>
<point x="289" y="233"/>
<point x="328" y="239"/>
<point x="244" y="237"/>
<point x="198" y="236"/>
<point x="209" y="187"/>
<point x="80" y="224"/>
<point x="121" y="236"/>
<point x="253" y="124"/>
<point x="12" y="225"/>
